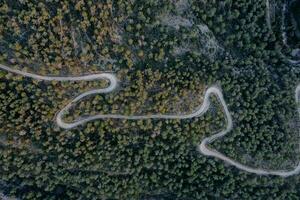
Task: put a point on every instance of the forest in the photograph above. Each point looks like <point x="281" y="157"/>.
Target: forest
<point x="165" y="55"/>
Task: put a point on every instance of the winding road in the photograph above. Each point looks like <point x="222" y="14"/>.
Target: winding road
<point x="112" y="86"/>
<point x="203" y="147"/>
<point x="205" y="150"/>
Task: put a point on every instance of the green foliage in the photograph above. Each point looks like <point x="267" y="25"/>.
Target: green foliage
<point x="145" y="159"/>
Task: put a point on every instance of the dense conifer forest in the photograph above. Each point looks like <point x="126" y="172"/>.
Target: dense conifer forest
<point x="165" y="55"/>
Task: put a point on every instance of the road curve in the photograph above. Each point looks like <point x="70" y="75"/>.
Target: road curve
<point x="112" y="86"/>
<point x="205" y="150"/>
<point x="203" y="147"/>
